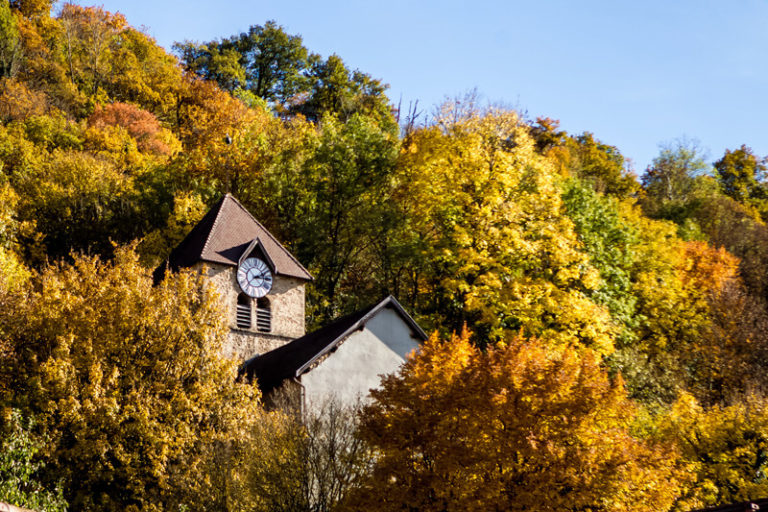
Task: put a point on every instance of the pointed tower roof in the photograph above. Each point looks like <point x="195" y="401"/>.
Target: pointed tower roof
<point x="224" y="234"/>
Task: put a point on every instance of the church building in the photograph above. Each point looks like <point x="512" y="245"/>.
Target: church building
<point x="263" y="288"/>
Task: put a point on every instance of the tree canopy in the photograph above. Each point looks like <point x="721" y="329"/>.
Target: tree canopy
<point x="620" y="324"/>
<point x="516" y="427"/>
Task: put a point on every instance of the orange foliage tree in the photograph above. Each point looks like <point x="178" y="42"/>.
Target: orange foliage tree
<point x="140" y="124"/>
<point x="727" y="359"/>
<point x="17" y="101"/>
<point x="518" y="427"/>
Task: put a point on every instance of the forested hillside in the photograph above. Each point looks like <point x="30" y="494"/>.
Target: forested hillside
<point x="600" y="339"/>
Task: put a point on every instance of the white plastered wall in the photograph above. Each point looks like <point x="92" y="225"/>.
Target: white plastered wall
<point x="347" y="374"/>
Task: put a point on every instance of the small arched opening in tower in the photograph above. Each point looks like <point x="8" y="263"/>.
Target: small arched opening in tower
<point x="243" y="311"/>
<point x="263" y="315"/>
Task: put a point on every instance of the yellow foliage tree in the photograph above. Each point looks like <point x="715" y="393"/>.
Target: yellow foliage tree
<point x="495" y="248"/>
<point x="126" y="380"/>
<point x="521" y="426"/>
<point x="727" y="447"/>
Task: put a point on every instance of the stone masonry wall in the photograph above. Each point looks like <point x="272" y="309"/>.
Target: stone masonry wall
<point x="286" y="304"/>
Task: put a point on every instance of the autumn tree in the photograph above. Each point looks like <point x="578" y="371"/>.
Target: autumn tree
<point x="726" y="448"/>
<point x="585" y="157"/>
<point x="144" y="74"/>
<point x="733" y="225"/>
<point x="304" y="464"/>
<point x="126" y="380"/>
<point x="489" y="243"/>
<point x="140" y="124"/>
<point x="521" y="426"/>
<point x="32" y="8"/>
<point x="89" y="37"/>
<point x="742" y="175"/>
<point x="18" y="102"/>
<point x="724" y="363"/>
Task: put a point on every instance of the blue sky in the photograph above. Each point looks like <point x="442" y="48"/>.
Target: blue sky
<point x="636" y="74"/>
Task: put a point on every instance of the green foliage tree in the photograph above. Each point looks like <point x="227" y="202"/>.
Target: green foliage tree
<point x="676" y="180"/>
<point x="10" y="44"/>
<point x="350" y="169"/>
<point x="275" y="66"/>
<point x="610" y="242"/>
<point x="20" y="468"/>
<point x="336" y="89"/>
<point x="213" y="63"/>
<point x="265" y="60"/>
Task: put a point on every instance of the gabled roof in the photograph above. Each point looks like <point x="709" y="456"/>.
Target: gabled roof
<point x="296" y="357"/>
<point x="222" y="236"/>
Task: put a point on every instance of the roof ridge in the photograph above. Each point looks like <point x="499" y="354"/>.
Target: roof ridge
<point x="215" y="221"/>
<point x="269" y="234"/>
<point x="372" y="310"/>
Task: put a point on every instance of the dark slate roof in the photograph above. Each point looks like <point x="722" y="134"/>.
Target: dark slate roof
<point x="746" y="506"/>
<point x="295" y="358"/>
<point x="222" y="236"/>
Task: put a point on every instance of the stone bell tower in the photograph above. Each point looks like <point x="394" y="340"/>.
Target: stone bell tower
<point x="260" y="282"/>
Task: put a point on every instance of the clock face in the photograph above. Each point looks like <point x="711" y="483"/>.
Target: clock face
<point x="254" y="277"/>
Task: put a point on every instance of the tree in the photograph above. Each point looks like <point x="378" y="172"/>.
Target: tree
<point x="188" y="209"/>
<point x="675" y="179"/>
<point x="126" y="380"/>
<point x="32" y="7"/>
<point x="350" y="172"/>
<point x="337" y="90"/>
<point x="584" y="157"/>
<point x="670" y="298"/>
<point x="140" y="124"/>
<point x="308" y="464"/>
<point x="730" y="224"/>
<point x="19" y="469"/>
<point x="18" y="102"/>
<point x="265" y="60"/>
<point x="520" y="426"/>
<point x="90" y="34"/>
<point x="10" y="45"/>
<point x="610" y="242"/>
<point x="13" y="273"/>
<point x="490" y="244"/>
<point x="742" y="176"/>
<point x="275" y="66"/>
<point x="726" y="446"/>
<point x="222" y="65"/>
